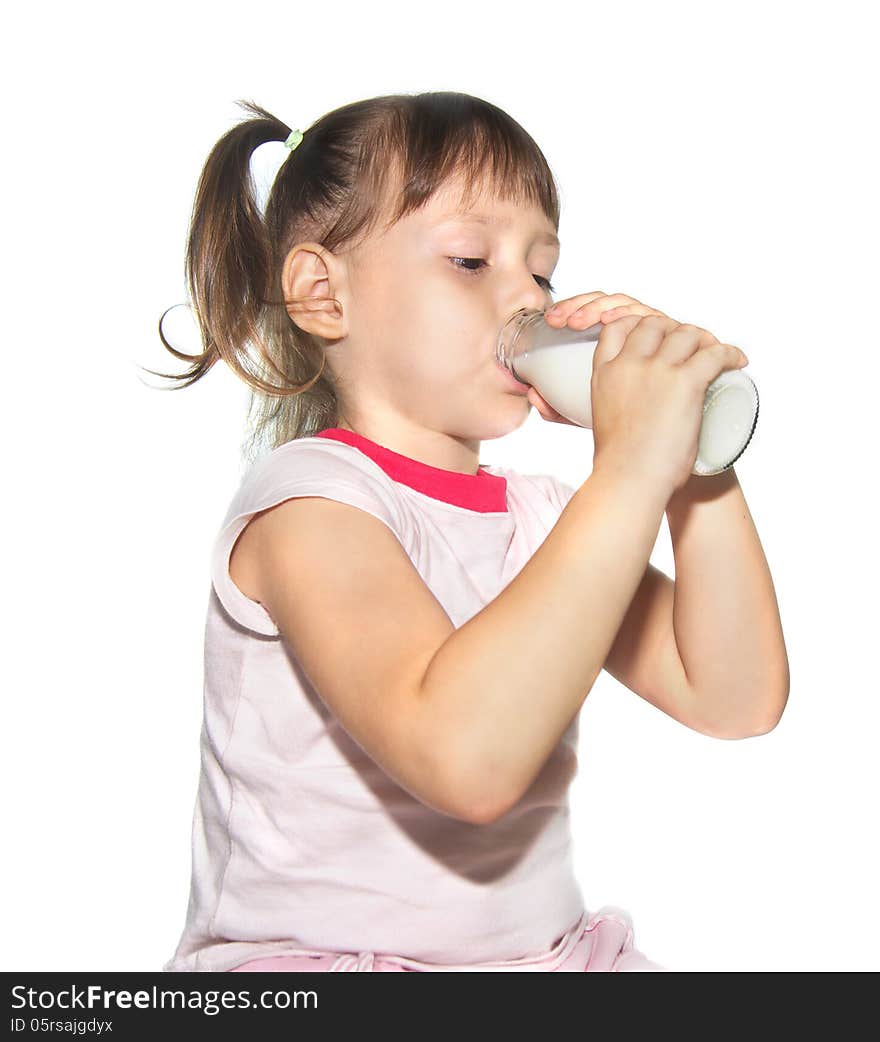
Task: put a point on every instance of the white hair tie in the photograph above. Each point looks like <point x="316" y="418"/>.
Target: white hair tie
<point x="266" y="160"/>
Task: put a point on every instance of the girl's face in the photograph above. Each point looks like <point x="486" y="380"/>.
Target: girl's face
<point x="425" y="304"/>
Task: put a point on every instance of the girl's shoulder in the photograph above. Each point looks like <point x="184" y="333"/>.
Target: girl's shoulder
<point x="313" y="466"/>
<point x="304" y="467"/>
<point x="316" y="451"/>
<point x="316" y="460"/>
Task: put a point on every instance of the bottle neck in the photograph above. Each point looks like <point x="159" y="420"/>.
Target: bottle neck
<point x="510" y="340"/>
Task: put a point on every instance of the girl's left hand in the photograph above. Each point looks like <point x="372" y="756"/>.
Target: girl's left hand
<point x="580" y="312"/>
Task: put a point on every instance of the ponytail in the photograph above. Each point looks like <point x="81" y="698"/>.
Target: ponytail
<point x="229" y="260"/>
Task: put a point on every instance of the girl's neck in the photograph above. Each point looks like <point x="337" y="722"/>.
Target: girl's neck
<point x="435" y="450"/>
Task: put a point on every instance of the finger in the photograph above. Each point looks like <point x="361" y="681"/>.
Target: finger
<point x="683" y="342"/>
<point x="647" y="334"/>
<point x="558" y="314"/>
<point x="546" y="410"/>
<point x="610" y="300"/>
<point x="612" y="338"/>
<point x="535" y="399"/>
<point x="588" y="314"/>
<point x="628" y="309"/>
<point x="713" y="360"/>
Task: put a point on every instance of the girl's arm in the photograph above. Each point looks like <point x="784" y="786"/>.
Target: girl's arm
<point x="725" y="613"/>
<point x="463" y="718"/>
<point x="504" y="686"/>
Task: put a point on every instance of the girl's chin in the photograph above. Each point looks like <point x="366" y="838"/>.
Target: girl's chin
<point x="498" y="423"/>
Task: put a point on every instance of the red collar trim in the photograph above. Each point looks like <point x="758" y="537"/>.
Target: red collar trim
<point x="482" y="491"/>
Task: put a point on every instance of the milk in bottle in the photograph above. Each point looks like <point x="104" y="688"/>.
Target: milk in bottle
<point x="559" y="364"/>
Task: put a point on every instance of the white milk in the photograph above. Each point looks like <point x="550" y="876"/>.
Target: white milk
<point x="562" y="374"/>
<point x="559" y="364"/>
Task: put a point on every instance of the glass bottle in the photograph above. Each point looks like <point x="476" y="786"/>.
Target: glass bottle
<point x="558" y="362"/>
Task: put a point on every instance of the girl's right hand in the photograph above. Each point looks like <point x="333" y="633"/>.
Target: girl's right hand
<point x="650" y="375"/>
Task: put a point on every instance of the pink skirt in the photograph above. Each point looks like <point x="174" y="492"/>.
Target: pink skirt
<point x="601" y="942"/>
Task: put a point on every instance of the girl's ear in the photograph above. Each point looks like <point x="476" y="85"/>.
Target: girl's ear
<point x="312" y="278"/>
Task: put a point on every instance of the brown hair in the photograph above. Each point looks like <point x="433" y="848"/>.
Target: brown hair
<point x="332" y="190"/>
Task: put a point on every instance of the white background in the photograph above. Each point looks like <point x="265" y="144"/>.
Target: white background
<point x="715" y="161"/>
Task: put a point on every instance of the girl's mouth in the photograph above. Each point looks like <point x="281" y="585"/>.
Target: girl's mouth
<point x="511" y="379"/>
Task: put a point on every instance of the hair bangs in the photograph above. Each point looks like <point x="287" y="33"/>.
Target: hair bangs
<point x="442" y="140"/>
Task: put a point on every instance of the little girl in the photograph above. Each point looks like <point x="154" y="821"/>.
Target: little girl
<point x="399" y="639"/>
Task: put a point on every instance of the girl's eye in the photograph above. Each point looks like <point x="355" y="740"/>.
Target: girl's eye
<point x="542" y="281"/>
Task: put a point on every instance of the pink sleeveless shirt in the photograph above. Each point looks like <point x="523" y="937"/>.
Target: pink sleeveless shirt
<point x="299" y="838"/>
